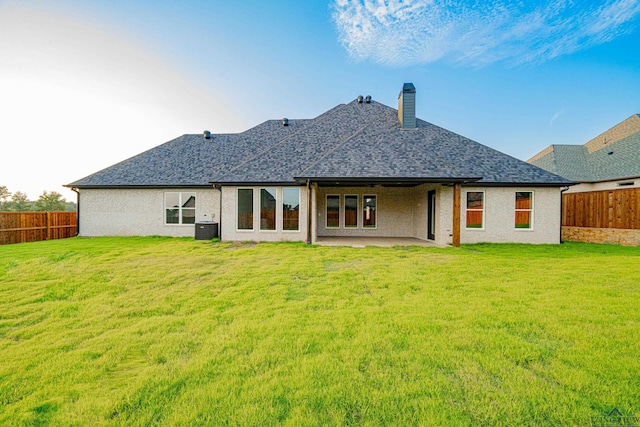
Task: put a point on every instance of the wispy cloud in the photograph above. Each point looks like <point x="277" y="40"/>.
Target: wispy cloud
<point x="555" y="116"/>
<point x="407" y="32"/>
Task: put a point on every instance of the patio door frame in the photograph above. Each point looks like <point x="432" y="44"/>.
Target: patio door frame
<point x="431" y="215"/>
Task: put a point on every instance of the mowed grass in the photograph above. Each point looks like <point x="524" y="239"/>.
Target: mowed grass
<point x="162" y="331"/>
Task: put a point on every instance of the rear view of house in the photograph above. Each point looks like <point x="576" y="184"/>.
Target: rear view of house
<point x="360" y="169"/>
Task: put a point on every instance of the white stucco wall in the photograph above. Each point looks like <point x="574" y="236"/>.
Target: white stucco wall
<point x="229" y="217"/>
<point x="139" y="212"/>
<point x="402" y="212"/>
<point x="500" y="216"/>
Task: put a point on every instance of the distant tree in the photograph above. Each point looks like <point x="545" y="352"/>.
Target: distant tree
<point x="50" y="201"/>
<point x="5" y="196"/>
<point x="19" y="202"/>
<point x="70" y="206"/>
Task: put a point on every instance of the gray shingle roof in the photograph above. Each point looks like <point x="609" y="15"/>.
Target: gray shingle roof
<point x="352" y="142"/>
<point x="189" y="160"/>
<point x="616" y="159"/>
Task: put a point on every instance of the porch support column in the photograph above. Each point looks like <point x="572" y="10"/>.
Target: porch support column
<point x="456" y="214"/>
<point x="309" y="212"/>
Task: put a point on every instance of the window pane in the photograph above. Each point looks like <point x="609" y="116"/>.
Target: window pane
<point x="267" y="209"/>
<point x="523" y="219"/>
<point x="333" y="211"/>
<point x="290" y="208"/>
<point x="523" y="200"/>
<point x="172" y="216"/>
<point x="475" y="200"/>
<point x="188" y="200"/>
<point x="245" y="209"/>
<point x="350" y="211"/>
<point x="368" y="211"/>
<point x="475" y="209"/>
<point x="474" y="219"/>
<point x="171" y="200"/>
<point x="188" y="216"/>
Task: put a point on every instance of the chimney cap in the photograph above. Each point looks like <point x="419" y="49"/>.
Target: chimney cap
<point x="408" y="87"/>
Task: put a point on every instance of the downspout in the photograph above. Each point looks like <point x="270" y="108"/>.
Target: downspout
<point x="562" y="210"/>
<point x="219" y="188"/>
<point x="309" y="211"/>
<point x="75" y="190"/>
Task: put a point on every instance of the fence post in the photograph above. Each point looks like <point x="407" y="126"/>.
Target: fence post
<point x="48" y="223"/>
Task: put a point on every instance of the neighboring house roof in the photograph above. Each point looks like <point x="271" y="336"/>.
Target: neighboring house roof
<point x="614" y="154"/>
<point x="355" y="142"/>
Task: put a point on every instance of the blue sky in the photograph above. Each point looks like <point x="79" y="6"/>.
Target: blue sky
<point x="85" y="84"/>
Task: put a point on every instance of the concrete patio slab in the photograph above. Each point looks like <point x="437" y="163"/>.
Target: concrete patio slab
<point x="361" y="242"/>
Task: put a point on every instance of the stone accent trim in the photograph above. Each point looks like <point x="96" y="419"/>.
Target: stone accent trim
<point x="614" y="236"/>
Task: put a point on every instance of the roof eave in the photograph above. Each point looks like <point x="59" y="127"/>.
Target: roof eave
<point x="133" y="187"/>
<point x="254" y="183"/>
<point x="387" y="180"/>
<point x="525" y="184"/>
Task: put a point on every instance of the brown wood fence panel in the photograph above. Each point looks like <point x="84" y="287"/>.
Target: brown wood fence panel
<point x="602" y="209"/>
<point x="20" y="227"/>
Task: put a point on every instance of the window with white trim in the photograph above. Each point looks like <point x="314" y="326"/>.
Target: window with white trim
<point x="179" y="208"/>
<point x="245" y="208"/>
<point x="524" y="210"/>
<point x="291" y="209"/>
<point x="369" y="211"/>
<point x="475" y="210"/>
<point x="333" y="211"/>
<point x="350" y="211"/>
<point x="267" y="209"/>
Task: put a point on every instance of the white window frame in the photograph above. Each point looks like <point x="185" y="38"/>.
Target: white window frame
<point x="530" y="210"/>
<point x="483" y="210"/>
<point x="253" y="208"/>
<point x="180" y="194"/>
<point x="282" y="209"/>
<point x="344" y="212"/>
<point x="326" y="215"/>
<point x="368" y="227"/>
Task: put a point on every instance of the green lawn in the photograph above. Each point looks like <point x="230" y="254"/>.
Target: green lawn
<point x="161" y="331"/>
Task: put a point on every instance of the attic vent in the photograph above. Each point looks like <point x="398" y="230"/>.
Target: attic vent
<point x="367" y="99"/>
<point x="207" y="134"/>
<point x="360" y="98"/>
<point x="285" y="122"/>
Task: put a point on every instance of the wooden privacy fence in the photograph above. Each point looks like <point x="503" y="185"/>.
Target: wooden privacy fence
<point x="602" y="209"/>
<point x="19" y="227"/>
